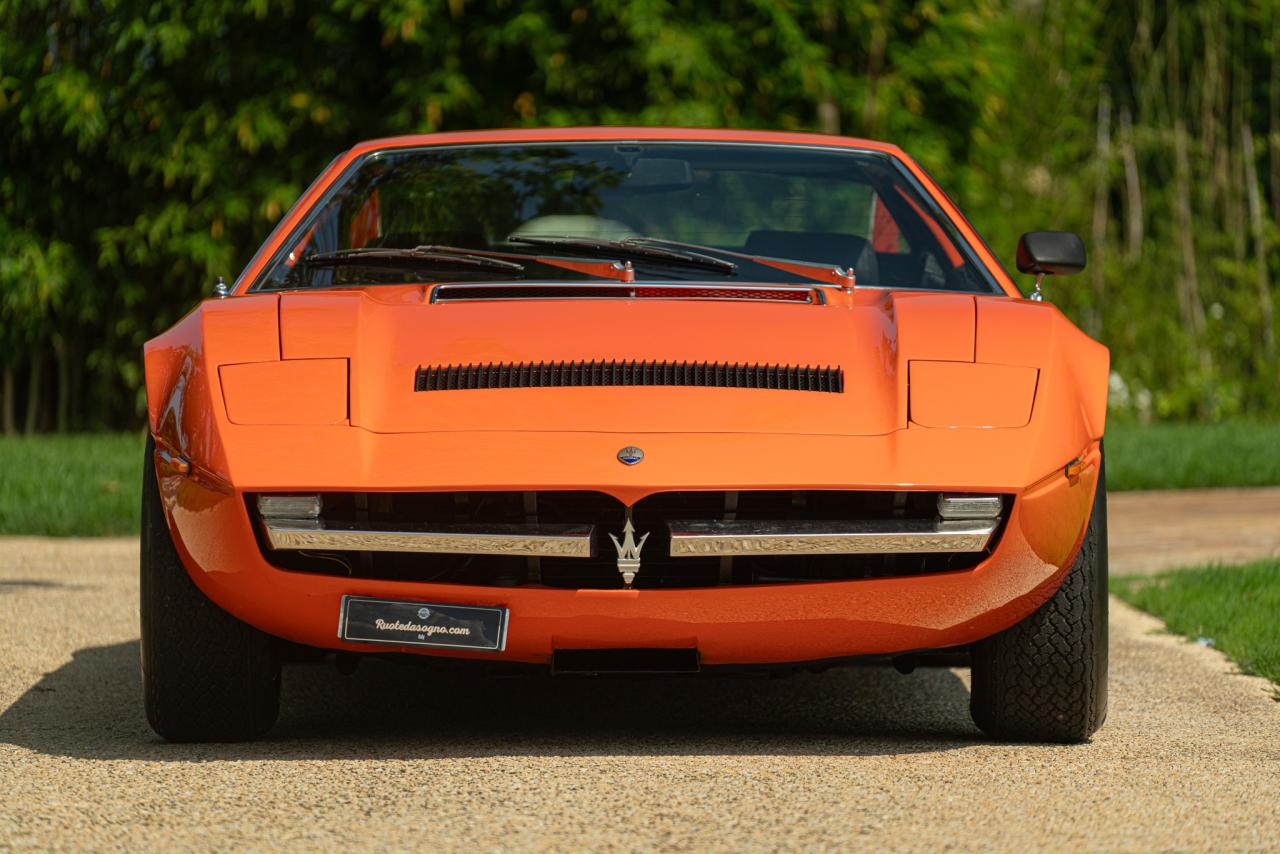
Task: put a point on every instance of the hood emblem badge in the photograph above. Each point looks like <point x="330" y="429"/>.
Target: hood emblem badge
<point x="630" y="455"/>
<point x="628" y="551"/>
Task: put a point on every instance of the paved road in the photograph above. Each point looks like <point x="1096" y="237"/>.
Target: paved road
<point x="395" y="757"/>
<point x="1152" y="531"/>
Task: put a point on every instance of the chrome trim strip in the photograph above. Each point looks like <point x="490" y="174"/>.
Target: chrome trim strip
<point x="952" y="506"/>
<point x="515" y="540"/>
<point x="698" y="538"/>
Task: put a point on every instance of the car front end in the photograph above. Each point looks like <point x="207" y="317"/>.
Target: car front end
<point x="605" y="453"/>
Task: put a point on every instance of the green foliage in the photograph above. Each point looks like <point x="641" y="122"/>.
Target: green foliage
<point x="1193" y="456"/>
<point x="1234" y="607"/>
<point x="150" y="145"/>
<point x="71" y="484"/>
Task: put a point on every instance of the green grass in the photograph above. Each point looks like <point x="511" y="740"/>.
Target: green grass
<point x="1238" y="607"/>
<point x="74" y="485"/>
<point x="1185" y="456"/>
<point x="87" y="485"/>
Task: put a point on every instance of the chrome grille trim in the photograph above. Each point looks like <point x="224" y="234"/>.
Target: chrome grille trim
<point x="698" y="538"/>
<point x="512" y="540"/>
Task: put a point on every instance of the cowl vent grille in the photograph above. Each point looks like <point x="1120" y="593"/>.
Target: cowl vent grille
<point x="592" y="290"/>
<point x="623" y="373"/>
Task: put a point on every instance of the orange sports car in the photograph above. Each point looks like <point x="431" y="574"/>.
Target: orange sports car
<point x="627" y="400"/>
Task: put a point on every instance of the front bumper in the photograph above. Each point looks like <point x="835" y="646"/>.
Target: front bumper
<point x="763" y="624"/>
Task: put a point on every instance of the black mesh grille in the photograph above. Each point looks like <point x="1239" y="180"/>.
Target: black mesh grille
<point x="608" y="515"/>
<point x="614" y="373"/>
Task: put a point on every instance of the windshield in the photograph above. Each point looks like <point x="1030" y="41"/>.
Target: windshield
<point x="840" y="207"/>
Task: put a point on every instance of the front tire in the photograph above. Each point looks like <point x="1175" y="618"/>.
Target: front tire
<point x="206" y="676"/>
<point x="1045" y="679"/>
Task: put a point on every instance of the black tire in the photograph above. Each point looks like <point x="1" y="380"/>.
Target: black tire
<point x="1045" y="679"/>
<point x="206" y="676"/>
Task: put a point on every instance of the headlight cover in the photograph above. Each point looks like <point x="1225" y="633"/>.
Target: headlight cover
<point x="969" y="394"/>
<point x="293" y="391"/>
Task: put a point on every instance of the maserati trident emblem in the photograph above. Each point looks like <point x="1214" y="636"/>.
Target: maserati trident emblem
<point x="628" y="551"/>
<point x="630" y="455"/>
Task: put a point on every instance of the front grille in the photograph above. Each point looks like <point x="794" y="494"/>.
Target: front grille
<point x="650" y="515"/>
<point x="629" y="373"/>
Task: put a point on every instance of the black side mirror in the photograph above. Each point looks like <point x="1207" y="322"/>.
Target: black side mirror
<point x="1050" y="253"/>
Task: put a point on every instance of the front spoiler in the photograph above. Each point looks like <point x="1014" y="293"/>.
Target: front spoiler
<point x="746" y="624"/>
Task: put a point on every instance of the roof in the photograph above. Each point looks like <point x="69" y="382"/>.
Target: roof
<point x="621" y="133"/>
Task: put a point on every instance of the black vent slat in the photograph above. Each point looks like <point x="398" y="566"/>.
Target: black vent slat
<point x="628" y="373"/>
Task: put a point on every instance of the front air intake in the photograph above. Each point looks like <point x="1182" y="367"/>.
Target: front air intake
<point x="623" y="373"/>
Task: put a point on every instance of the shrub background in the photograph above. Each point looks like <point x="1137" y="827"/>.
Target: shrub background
<point x="148" y="146"/>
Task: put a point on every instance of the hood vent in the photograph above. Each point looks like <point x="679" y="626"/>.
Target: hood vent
<point x="614" y="373"/>
<point x="468" y="292"/>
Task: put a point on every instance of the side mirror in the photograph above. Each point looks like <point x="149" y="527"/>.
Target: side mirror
<point x="1050" y="253"/>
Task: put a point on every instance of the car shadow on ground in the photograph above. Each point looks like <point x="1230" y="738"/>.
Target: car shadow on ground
<point x="8" y="585"/>
<point x="92" y="708"/>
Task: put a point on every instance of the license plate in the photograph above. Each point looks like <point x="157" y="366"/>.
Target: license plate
<point x="422" y="624"/>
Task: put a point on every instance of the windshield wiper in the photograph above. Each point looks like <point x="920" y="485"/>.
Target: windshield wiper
<point x="831" y="274"/>
<point x="442" y="258"/>
<point x="691" y="254"/>
<point x="629" y="250"/>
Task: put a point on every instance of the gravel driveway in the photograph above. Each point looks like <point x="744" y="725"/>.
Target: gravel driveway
<point x="397" y="757"/>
